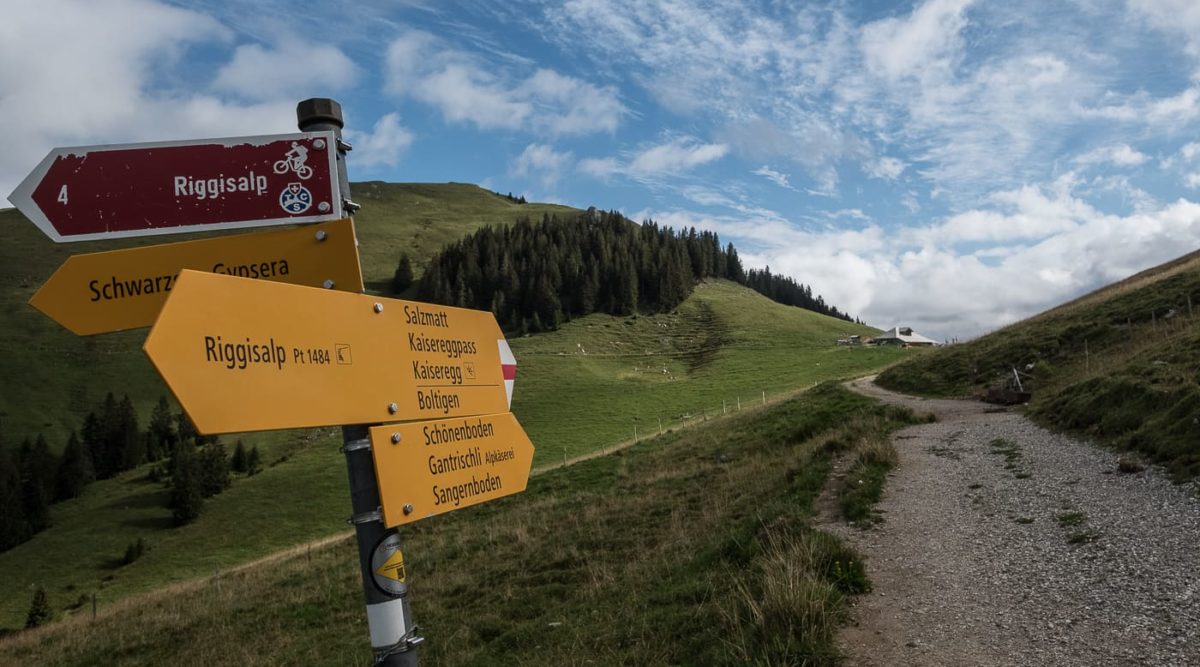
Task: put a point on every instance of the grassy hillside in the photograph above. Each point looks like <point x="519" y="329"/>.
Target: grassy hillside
<point x="598" y="378"/>
<point x="691" y="548"/>
<point x="578" y="390"/>
<point x="1120" y="365"/>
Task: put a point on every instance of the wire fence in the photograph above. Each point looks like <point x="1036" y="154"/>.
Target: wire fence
<point x="641" y="429"/>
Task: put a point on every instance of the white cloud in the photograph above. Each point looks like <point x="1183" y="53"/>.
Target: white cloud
<point x="671" y="159"/>
<point x="466" y="89"/>
<point x="383" y="146"/>
<point x="810" y="142"/>
<point x="1044" y="247"/>
<point x="748" y="70"/>
<point x="851" y="213"/>
<point x="541" y="160"/>
<point x="1192" y="180"/>
<point x="1177" y="17"/>
<point x="775" y="177"/>
<point x="77" y="72"/>
<point x="292" y="69"/>
<point x="694" y="53"/>
<point x="1121" y="155"/>
<point x="1143" y="109"/>
<point x="675" y="156"/>
<point x="602" y="168"/>
<point x="996" y="124"/>
<point x="466" y="94"/>
<point x="706" y="196"/>
<point x="979" y="95"/>
<point x="572" y="106"/>
<point x="1123" y="187"/>
<point x="887" y="168"/>
<point x="926" y="41"/>
<point x="1186" y="154"/>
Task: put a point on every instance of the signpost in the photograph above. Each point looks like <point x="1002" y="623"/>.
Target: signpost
<point x="249" y="336"/>
<point x="432" y="467"/>
<point x="252" y="355"/>
<point x="125" y="289"/>
<point x="104" y="192"/>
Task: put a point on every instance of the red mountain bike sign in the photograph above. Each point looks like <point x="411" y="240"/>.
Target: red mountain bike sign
<point x="94" y="192"/>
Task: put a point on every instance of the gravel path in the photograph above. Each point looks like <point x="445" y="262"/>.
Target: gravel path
<point x="1033" y="552"/>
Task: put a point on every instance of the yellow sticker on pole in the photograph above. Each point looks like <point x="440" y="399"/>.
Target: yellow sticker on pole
<point x="432" y="467"/>
<point x="125" y="289"/>
<point x="393" y="568"/>
<point x="252" y="355"/>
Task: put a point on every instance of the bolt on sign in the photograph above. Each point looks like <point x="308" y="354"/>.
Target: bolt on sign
<point x="253" y="355"/>
<point x="103" y="192"/>
<point x="432" y="467"/>
<point x="125" y="289"/>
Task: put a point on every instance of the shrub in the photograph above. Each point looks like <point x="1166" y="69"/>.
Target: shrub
<point x="134" y="551"/>
<point x="39" y="609"/>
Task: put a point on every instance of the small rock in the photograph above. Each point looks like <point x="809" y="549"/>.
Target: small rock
<point x="1130" y="463"/>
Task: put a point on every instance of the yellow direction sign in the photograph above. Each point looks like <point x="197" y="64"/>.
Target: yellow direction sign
<point x="427" y="468"/>
<point x="124" y="289"/>
<point x="252" y="355"/>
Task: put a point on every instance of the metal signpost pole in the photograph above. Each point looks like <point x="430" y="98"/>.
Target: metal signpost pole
<point x="389" y="618"/>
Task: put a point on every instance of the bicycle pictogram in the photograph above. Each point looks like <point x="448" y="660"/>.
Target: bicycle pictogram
<point x="294" y="161"/>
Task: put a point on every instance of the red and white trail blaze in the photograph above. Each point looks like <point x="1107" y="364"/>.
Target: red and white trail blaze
<point x="509" y="363"/>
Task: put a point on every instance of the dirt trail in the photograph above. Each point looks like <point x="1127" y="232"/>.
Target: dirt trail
<point x="1004" y="544"/>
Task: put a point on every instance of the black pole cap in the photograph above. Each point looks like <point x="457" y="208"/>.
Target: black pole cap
<point x="318" y="110"/>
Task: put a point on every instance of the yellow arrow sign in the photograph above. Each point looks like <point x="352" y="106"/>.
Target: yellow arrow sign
<point x="124" y="289"/>
<point x="252" y="355"/>
<point x="427" y="468"/>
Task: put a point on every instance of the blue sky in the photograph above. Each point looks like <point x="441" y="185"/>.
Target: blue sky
<point x="948" y="165"/>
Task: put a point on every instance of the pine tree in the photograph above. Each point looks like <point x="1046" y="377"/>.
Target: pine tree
<point x="37" y="483"/>
<point x="588" y="287"/>
<point x="129" y="440"/>
<point x="546" y="305"/>
<point x="185" y="430"/>
<point x="184" y="498"/>
<point x="161" y="435"/>
<point x="498" y="306"/>
<point x="13" y="528"/>
<point x="213" y="469"/>
<point x="403" y="276"/>
<point x="92" y="436"/>
<point x="108" y="455"/>
<point x="253" y="461"/>
<point x="39" y="609"/>
<point x="733" y="265"/>
<point x="74" y="470"/>
<point x="238" y="462"/>
<point x="629" y="289"/>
